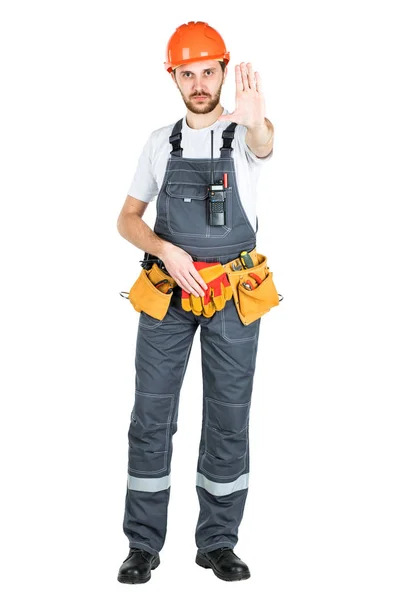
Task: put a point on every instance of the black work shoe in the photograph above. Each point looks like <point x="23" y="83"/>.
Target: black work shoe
<point x="225" y="564"/>
<point x="137" y="566"/>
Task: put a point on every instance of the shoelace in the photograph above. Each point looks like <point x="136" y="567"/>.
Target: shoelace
<point x="222" y="549"/>
<point x="226" y="548"/>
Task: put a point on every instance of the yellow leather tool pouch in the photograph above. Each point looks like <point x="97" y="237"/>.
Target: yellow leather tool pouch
<point x="251" y="304"/>
<point x="146" y="297"/>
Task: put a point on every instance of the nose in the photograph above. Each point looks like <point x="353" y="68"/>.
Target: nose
<point x="198" y="90"/>
<point x="197" y="87"/>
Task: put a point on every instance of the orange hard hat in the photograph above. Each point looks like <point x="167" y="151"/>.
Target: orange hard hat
<point x="194" y="41"/>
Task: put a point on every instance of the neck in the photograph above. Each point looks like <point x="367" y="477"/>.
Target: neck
<point x="198" y="121"/>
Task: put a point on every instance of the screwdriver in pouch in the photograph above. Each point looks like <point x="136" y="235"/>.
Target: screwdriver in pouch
<point x="246" y="259"/>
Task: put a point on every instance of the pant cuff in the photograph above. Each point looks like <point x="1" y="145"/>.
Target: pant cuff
<point x="143" y="547"/>
<point x="212" y="547"/>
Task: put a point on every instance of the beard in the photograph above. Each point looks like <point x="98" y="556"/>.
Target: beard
<point x="204" y="107"/>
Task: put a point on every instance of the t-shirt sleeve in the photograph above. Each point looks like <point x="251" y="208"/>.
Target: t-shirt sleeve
<point x="251" y="157"/>
<point x="144" y="185"/>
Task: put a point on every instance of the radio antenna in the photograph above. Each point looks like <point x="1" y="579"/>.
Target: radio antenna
<point x="212" y="156"/>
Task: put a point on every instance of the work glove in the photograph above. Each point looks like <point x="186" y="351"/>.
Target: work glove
<point x="215" y="296"/>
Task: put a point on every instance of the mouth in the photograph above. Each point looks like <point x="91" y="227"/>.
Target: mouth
<point x="200" y="97"/>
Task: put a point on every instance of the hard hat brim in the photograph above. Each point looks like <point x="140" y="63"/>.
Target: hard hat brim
<point x="223" y="58"/>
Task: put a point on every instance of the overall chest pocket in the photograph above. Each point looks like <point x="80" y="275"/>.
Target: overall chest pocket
<point x="187" y="208"/>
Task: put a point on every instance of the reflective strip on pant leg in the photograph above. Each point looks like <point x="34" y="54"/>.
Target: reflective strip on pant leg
<point x="148" y="484"/>
<point x="222" y="489"/>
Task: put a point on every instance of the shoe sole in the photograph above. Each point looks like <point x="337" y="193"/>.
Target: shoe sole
<point x="206" y="564"/>
<point x="127" y="579"/>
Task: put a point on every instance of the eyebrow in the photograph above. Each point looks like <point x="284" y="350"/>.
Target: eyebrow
<point x="208" y="69"/>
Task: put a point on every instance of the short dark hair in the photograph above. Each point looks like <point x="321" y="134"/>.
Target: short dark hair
<point x="221" y="62"/>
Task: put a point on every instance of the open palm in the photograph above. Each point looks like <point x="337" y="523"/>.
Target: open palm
<point x="250" y="104"/>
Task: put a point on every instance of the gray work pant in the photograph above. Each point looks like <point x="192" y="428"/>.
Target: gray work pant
<point x="228" y="350"/>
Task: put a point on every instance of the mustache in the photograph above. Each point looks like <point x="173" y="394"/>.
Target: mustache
<point x="196" y="95"/>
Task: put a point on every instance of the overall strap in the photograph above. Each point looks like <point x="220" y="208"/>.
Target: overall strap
<point x="227" y="136"/>
<point x="175" y="139"/>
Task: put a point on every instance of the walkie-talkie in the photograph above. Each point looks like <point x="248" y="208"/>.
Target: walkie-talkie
<point x="216" y="195"/>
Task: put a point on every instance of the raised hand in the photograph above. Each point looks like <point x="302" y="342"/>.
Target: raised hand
<point x="250" y="104"/>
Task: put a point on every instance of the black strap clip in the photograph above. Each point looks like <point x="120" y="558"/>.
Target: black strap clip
<point x="175" y="137"/>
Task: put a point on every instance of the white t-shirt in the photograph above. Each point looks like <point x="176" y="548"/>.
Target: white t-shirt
<point x="196" y="143"/>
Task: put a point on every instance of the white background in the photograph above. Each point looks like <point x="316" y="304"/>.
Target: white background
<point x="83" y="85"/>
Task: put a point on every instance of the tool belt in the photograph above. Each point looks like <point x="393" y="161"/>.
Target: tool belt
<point x="152" y="292"/>
<point x="254" y="291"/>
<point x="253" y="288"/>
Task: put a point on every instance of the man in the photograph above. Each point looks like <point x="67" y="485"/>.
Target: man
<point x="176" y="165"/>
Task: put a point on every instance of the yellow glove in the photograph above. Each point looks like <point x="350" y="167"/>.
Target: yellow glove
<point x="218" y="292"/>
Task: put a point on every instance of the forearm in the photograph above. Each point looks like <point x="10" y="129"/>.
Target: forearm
<point x="260" y="139"/>
<point x="135" y="230"/>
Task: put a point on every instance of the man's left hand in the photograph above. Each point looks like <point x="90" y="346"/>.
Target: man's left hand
<point x="250" y="104"/>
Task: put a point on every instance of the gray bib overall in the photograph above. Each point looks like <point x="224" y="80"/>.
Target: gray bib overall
<point x="228" y="350"/>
